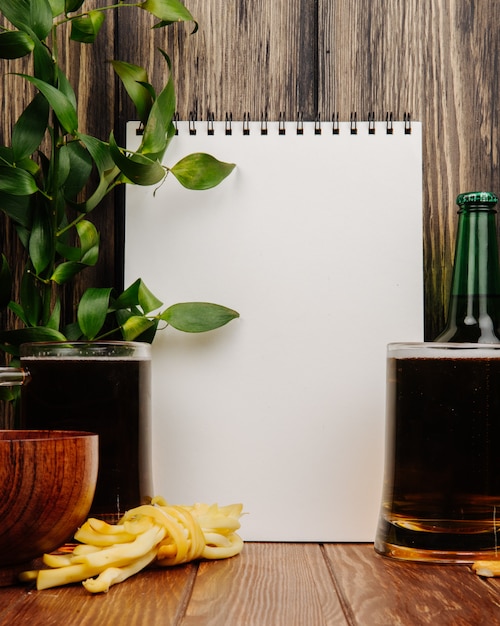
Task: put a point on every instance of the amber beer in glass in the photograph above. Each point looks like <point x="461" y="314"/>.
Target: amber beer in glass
<point x="441" y="493"/>
<point x="102" y="387"/>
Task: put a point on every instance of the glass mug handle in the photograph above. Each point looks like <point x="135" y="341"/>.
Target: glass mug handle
<point x="13" y="376"/>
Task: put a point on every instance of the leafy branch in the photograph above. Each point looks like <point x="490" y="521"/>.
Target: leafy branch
<point x="46" y="176"/>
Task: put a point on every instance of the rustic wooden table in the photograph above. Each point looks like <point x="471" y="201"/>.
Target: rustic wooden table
<point x="272" y="584"/>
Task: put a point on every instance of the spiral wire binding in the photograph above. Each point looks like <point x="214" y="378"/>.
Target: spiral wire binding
<point x="389" y="126"/>
<point x="354" y="123"/>
<point x="282" y="129"/>
<point x="407" y="121"/>
<point x="246" y="123"/>
<point x="192" y="123"/>
<point x="371" y="123"/>
<point x="300" y="123"/>
<point x="263" y="124"/>
<point x="281" y="124"/>
<point x="229" y="124"/>
<point x="335" y="124"/>
<point x="317" y="125"/>
<point x="210" y="124"/>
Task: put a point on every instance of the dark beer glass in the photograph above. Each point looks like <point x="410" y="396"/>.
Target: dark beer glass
<point x="441" y="492"/>
<point x="101" y="387"/>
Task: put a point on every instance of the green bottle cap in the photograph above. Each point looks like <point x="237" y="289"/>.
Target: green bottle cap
<point x="484" y="198"/>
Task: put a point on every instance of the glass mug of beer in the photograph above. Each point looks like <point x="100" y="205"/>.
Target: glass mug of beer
<point x="101" y="387"/>
<point x="441" y="492"/>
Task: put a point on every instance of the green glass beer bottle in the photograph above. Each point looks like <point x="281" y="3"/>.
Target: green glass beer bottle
<point x="474" y="304"/>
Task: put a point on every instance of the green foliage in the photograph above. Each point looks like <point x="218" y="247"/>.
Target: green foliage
<point x="46" y="176"/>
<point x="197" y="317"/>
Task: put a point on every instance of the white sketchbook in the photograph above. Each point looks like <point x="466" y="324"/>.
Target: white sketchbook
<point x="316" y="239"/>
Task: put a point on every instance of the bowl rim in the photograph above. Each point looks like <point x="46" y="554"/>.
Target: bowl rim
<point x="45" y="434"/>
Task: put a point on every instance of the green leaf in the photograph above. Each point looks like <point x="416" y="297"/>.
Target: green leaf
<point x="59" y="204"/>
<point x="137" y="295"/>
<point x="7" y="158"/>
<point x="147" y="300"/>
<point x="55" y="317"/>
<point x="6" y="155"/>
<point x="64" y="272"/>
<point x="57" y="7"/>
<point x="138" y="169"/>
<point x="41" y="246"/>
<point x="18" y="310"/>
<point x="149" y="88"/>
<point x="5" y="282"/>
<point x="134" y="78"/>
<point x="29" y="166"/>
<point x="86" y="28"/>
<point x="66" y="87"/>
<point x="28" y="335"/>
<point x="147" y="335"/>
<point x="128" y="298"/>
<point x="89" y="242"/>
<point x="92" y="310"/>
<point x="7" y="394"/>
<point x="17" y="208"/>
<point x="100" y="153"/>
<point x="60" y="103"/>
<point x="30" y="298"/>
<point x="168" y="11"/>
<point x="91" y="256"/>
<point x="73" y="5"/>
<point x="80" y="169"/>
<point x="63" y="166"/>
<point x="30" y="128"/>
<point x="158" y="128"/>
<point x="16" y="181"/>
<point x="43" y="62"/>
<point x="73" y="331"/>
<point x="29" y="15"/>
<point x="67" y="252"/>
<point x="135" y="326"/>
<point x="201" y="171"/>
<point x="15" y="44"/>
<point x="24" y="235"/>
<point x="197" y="317"/>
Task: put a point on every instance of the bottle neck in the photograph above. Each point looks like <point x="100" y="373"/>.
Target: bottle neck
<point x="476" y="268"/>
<point x="474" y="306"/>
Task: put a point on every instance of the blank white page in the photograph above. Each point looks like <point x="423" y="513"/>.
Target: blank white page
<point x="317" y="241"/>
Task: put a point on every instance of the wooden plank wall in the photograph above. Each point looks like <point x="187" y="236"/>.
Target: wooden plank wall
<point x="436" y="61"/>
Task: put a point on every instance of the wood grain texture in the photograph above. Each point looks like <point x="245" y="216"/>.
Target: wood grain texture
<point x="435" y="60"/>
<point x="91" y="75"/>
<point x="284" y="584"/>
<point x="154" y="597"/>
<point x="457" y="104"/>
<point x="253" y="57"/>
<point x="39" y="496"/>
<point x="381" y="591"/>
<point x="272" y="584"/>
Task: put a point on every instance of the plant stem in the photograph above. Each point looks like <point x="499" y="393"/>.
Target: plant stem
<point x="110" y="7"/>
<point x="52" y="190"/>
<point x="82" y="216"/>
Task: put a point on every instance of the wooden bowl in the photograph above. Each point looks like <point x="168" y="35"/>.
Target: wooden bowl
<point x="47" y="482"/>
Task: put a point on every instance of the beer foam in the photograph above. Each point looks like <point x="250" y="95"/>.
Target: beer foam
<point x="83" y="358"/>
<point x="431" y="350"/>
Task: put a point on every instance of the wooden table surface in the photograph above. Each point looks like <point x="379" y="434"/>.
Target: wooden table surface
<point x="272" y="584"/>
